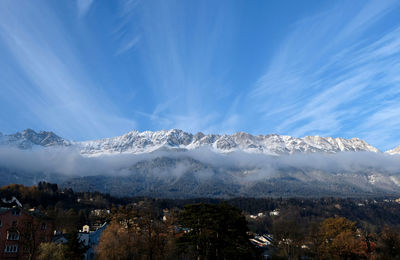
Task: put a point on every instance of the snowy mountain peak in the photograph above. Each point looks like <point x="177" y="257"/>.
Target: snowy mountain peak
<point x="393" y="151"/>
<point x="29" y="138"/>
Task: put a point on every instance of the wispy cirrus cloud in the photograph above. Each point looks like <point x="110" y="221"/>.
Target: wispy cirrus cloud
<point x="332" y="75"/>
<point x="53" y="86"/>
<point x="126" y="33"/>
<point x="323" y="68"/>
<point x="180" y="45"/>
<point x="127" y="45"/>
<point x="83" y="6"/>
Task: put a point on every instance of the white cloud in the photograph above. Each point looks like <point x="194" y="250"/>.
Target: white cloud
<point x="334" y="71"/>
<point x="83" y="6"/>
<point x="55" y="86"/>
<point x="68" y="161"/>
<point x="126" y="46"/>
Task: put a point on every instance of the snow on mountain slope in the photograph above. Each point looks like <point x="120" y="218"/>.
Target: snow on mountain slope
<point x="394" y="151"/>
<point x="314" y="166"/>
<point x="142" y="142"/>
<point x="145" y="142"/>
<point x="29" y="138"/>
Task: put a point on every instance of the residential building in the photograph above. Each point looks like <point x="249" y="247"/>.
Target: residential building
<point x="22" y="231"/>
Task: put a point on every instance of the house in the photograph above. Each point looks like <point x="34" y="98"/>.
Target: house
<point x="265" y="239"/>
<point x="85" y="229"/>
<point x="100" y="212"/>
<point x="91" y="239"/>
<point x="275" y="212"/>
<point x="262" y="240"/>
<point x="265" y="243"/>
<point x="22" y="231"/>
<point x="259" y="215"/>
<point x="166" y="215"/>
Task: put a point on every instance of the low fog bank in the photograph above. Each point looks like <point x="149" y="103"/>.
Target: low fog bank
<point x="68" y="161"/>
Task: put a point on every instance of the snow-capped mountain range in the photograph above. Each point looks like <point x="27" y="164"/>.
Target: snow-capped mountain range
<point x="144" y="142"/>
<point x="174" y="163"/>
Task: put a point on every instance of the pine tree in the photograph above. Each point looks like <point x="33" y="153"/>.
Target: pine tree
<point x="75" y="248"/>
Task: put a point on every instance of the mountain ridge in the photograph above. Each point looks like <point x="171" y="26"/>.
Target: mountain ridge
<point x="28" y="138"/>
<point x="174" y="163"/>
<point x="149" y="141"/>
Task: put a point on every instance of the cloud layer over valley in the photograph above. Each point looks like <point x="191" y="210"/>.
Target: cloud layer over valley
<point x="178" y="164"/>
<point x="68" y="161"/>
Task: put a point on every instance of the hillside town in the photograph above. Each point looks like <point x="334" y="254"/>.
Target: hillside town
<point x="45" y="222"/>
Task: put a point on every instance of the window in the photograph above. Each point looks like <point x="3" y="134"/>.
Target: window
<point x="11" y="249"/>
<point x="1" y="223"/>
<point x="16" y="212"/>
<point x="12" y="235"/>
<point x="43" y="226"/>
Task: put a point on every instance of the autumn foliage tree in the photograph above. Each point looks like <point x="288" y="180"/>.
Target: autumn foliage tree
<point x="52" y="251"/>
<point x="115" y="243"/>
<point x="339" y="239"/>
<point x="136" y="233"/>
<point x="389" y="244"/>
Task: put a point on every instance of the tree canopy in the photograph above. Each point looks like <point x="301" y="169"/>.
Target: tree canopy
<point x="215" y="232"/>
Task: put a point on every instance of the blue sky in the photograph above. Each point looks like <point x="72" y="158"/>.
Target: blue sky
<point x="89" y="69"/>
